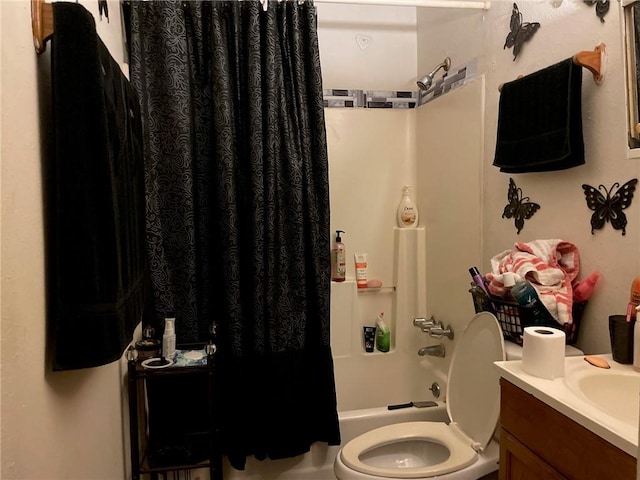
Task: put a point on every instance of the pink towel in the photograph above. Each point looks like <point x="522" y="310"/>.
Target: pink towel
<point x="550" y="266"/>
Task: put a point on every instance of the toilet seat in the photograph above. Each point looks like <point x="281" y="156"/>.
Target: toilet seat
<point x="460" y="454"/>
<point x="473" y="405"/>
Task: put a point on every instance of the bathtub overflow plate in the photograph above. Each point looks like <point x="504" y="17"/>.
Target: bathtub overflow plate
<point x="435" y="389"/>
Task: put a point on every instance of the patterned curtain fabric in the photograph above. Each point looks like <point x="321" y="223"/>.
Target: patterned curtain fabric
<point x="238" y="208"/>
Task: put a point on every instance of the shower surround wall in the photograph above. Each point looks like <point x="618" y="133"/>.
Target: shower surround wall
<point x="373" y="152"/>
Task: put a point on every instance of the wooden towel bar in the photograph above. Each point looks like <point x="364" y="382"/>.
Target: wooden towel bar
<point x="592" y="60"/>
<point x="41" y="23"/>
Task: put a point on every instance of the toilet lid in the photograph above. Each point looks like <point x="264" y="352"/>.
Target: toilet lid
<point x="473" y="389"/>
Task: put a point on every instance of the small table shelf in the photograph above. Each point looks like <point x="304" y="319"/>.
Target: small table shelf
<point x="137" y="379"/>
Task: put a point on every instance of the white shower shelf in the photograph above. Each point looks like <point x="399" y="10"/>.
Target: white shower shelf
<point x="371" y="291"/>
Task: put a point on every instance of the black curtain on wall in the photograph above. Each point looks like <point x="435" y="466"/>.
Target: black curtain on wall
<point x="238" y="207"/>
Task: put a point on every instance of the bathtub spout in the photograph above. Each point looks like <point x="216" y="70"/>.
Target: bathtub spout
<point x="433" y="350"/>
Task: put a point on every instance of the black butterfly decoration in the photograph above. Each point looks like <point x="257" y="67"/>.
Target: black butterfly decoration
<point x="103" y="9"/>
<point x="602" y="7"/>
<point x="519" y="208"/>
<point x="609" y="208"/>
<point x="520" y="32"/>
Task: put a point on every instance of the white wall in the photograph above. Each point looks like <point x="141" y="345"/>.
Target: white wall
<point x="388" y="62"/>
<point x="450" y="181"/>
<point x="564" y="31"/>
<point x="54" y="425"/>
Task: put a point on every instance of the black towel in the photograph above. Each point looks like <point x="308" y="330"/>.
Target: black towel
<point x="540" y="121"/>
<point x="95" y="211"/>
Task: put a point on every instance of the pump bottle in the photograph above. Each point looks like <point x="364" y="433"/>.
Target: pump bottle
<point x="338" y="259"/>
<point x="169" y="339"/>
<point x="407" y="210"/>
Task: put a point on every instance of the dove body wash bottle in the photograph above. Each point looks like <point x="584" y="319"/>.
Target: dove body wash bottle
<point x="407" y="210"/>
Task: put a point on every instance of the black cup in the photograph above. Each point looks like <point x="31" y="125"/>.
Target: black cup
<point x="621" y="333"/>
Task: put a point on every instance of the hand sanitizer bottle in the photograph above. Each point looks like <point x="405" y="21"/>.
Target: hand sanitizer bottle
<point x="407" y="210"/>
<point x="169" y="339"/>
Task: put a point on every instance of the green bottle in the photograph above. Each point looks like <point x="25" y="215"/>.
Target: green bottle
<point x="383" y="334"/>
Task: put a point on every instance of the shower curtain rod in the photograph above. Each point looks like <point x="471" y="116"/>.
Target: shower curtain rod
<point x="470" y="4"/>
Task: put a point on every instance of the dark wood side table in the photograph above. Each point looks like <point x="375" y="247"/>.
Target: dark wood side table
<point x="138" y="376"/>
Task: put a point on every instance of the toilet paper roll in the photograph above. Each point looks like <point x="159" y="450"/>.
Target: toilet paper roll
<point x="543" y="352"/>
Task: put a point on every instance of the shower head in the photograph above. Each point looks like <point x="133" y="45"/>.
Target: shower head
<point x="424" y="83"/>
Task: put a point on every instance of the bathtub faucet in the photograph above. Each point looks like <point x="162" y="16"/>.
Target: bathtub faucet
<point x="433" y="351"/>
<point x="434" y="328"/>
<point x="424" y="324"/>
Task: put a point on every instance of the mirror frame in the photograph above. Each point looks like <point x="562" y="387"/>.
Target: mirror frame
<point x="630" y="15"/>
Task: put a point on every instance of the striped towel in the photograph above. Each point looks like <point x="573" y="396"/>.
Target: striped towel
<point x="550" y="265"/>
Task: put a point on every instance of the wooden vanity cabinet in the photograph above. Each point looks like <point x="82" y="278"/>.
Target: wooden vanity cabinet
<point x="539" y="443"/>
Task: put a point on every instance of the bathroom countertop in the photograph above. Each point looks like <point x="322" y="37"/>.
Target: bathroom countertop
<point x="563" y="395"/>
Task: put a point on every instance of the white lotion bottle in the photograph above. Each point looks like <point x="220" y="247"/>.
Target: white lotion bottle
<point x="407" y="210"/>
<point x="169" y="339"/>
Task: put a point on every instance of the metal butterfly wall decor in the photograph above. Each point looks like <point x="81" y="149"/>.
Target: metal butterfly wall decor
<point x="519" y="208"/>
<point x="602" y="7"/>
<point x="607" y="207"/>
<point x="103" y="9"/>
<point x="520" y="32"/>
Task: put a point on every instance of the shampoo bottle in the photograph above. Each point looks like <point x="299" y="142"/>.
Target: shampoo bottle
<point x="338" y="259"/>
<point x="407" y="210"/>
<point x="169" y="339"/>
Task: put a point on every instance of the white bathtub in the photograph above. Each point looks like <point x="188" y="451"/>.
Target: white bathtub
<point x="318" y="463"/>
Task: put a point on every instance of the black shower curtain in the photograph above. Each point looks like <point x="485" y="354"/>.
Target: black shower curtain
<point x="238" y="207"/>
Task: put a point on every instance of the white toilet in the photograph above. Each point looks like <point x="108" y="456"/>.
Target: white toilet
<point x="461" y="450"/>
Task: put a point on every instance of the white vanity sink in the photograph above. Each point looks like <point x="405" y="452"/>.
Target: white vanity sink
<point x="615" y="392"/>
<point x="605" y="401"/>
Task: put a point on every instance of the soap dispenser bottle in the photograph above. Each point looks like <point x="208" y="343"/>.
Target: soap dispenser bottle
<point x="338" y="259"/>
<point x="169" y="339"/>
<point x="407" y="210"/>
